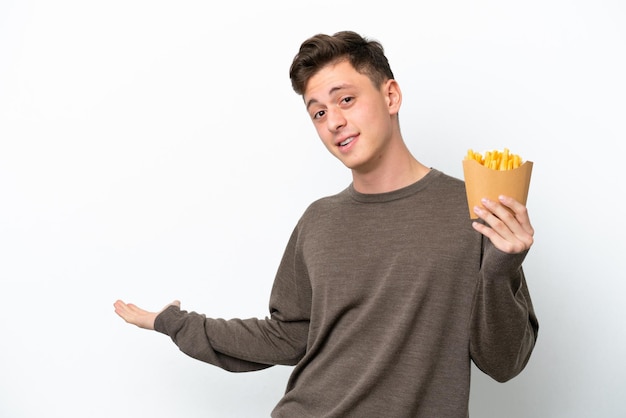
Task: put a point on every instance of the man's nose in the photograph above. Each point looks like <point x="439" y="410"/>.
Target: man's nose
<point x="335" y="120"/>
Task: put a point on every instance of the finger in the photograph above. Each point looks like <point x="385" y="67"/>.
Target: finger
<point x="502" y="228"/>
<point x="510" y="245"/>
<point x="134" y="309"/>
<point x="500" y="218"/>
<point x="120" y="307"/>
<point x="123" y="312"/>
<point x="520" y="211"/>
<point x="514" y="216"/>
<point x="128" y="312"/>
<point x="493" y="228"/>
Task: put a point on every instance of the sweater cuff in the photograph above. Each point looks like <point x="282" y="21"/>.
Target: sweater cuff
<point x="164" y="317"/>
<point x="496" y="262"/>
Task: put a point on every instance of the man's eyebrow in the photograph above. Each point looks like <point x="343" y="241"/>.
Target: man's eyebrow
<point x="310" y="103"/>
<point x="332" y="91"/>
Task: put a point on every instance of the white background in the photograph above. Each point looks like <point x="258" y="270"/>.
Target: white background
<point x="153" y="150"/>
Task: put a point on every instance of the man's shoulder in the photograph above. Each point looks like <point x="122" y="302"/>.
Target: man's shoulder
<point x="329" y="201"/>
<point x="443" y="180"/>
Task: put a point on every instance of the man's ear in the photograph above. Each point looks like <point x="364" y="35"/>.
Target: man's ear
<point x="393" y="94"/>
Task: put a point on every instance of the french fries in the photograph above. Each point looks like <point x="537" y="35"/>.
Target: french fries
<point x="495" y="159"/>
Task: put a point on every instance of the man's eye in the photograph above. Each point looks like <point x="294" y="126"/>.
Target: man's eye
<point x="347" y="99"/>
<point x="319" y="114"/>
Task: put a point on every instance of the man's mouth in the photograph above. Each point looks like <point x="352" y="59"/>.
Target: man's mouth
<point x="346" y="141"/>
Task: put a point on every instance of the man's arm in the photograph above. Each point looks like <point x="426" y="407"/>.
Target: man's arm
<point x="240" y="344"/>
<point x="235" y="345"/>
<point x="504" y="326"/>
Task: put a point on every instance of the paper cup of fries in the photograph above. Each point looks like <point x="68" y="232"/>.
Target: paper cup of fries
<point x="483" y="178"/>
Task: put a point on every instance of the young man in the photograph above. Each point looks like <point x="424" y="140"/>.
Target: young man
<point x="386" y="291"/>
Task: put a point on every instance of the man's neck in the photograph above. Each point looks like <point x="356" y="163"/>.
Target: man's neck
<point x="387" y="179"/>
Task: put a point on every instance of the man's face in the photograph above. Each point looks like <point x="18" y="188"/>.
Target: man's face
<point x="351" y="115"/>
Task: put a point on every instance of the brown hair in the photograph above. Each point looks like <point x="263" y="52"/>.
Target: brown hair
<point x="365" y="55"/>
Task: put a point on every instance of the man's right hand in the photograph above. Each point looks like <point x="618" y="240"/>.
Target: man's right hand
<point x="133" y="314"/>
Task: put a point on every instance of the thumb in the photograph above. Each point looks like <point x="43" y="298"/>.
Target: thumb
<point x="173" y="303"/>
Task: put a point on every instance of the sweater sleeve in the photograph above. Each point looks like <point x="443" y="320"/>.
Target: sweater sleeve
<point x="504" y="326"/>
<point x="240" y="345"/>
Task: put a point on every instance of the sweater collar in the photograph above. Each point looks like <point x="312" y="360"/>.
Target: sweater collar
<point x="401" y="193"/>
